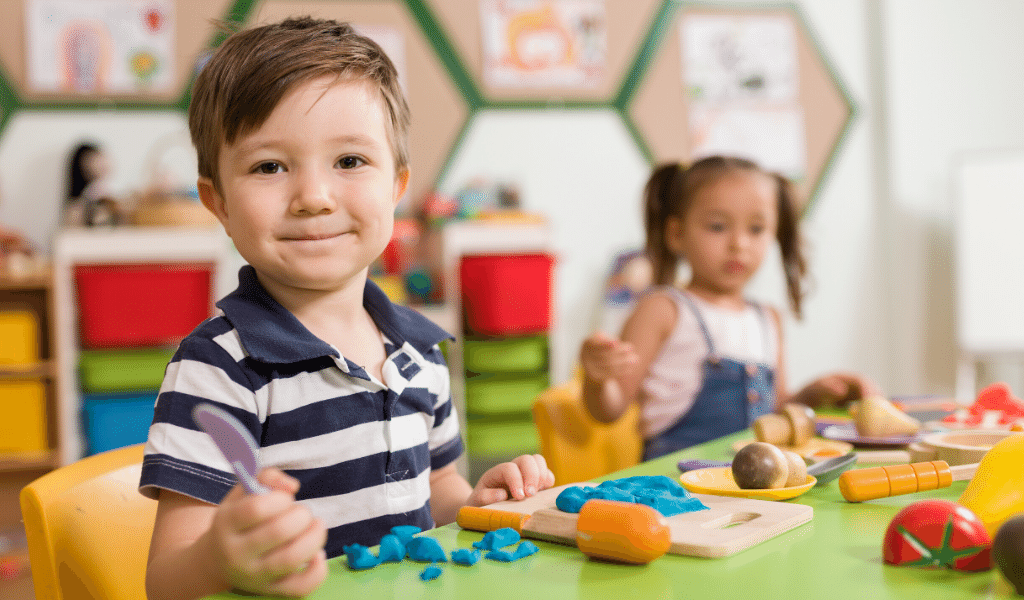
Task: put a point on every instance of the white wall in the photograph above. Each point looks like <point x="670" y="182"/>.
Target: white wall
<point x="931" y="79"/>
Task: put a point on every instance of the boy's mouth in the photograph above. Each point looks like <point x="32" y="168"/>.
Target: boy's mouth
<point x="314" y="237"/>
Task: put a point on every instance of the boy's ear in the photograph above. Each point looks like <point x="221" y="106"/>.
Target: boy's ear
<point x="401" y="184"/>
<point x="212" y="199"/>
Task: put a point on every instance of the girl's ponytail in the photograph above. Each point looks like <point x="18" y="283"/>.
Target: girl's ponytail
<point x="660" y="195"/>
<point x="790" y="246"/>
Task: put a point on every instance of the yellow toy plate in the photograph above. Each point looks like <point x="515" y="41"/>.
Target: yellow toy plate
<point x="718" y="481"/>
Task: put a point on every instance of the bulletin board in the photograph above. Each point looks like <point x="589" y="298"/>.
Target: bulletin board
<point x="660" y="109"/>
<point x="624" y="24"/>
<point x="193" y="31"/>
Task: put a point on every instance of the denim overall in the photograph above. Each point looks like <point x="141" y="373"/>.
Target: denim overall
<point x="734" y="393"/>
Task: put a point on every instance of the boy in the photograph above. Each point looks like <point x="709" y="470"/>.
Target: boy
<point x="300" y="130"/>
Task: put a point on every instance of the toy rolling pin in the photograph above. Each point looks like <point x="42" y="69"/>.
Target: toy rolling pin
<point x="606" y="529"/>
<point x="859" y="485"/>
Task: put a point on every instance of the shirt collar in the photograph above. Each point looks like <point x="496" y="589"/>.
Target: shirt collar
<point x="271" y="334"/>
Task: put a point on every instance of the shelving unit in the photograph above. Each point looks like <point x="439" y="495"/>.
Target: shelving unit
<point x="120" y="246"/>
<point x="474" y="237"/>
<point x="35" y="295"/>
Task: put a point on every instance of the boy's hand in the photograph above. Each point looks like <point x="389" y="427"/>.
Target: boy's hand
<point x="521" y="478"/>
<point x="606" y="358"/>
<point x="270" y="544"/>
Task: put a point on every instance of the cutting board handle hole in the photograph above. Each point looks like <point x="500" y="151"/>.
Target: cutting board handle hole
<point x="730" y="520"/>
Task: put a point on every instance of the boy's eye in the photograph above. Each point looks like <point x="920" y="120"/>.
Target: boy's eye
<point x="268" y="168"/>
<point x="757" y="229"/>
<point x="716" y="227"/>
<point x="349" y="162"/>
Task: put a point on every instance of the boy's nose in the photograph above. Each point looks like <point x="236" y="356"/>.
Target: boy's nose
<point x="312" y="194"/>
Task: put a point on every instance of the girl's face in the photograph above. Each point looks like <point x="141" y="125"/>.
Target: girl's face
<point x="726" y="231"/>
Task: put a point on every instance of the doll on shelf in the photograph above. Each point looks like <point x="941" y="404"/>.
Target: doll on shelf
<point x="88" y="201"/>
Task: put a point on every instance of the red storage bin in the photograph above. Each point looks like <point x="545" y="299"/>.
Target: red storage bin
<point x="141" y="304"/>
<point x="506" y="294"/>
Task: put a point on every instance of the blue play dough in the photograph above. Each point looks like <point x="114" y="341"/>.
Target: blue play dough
<point x="430" y="573"/>
<point x="405" y="532"/>
<point x="524" y="549"/>
<point x="425" y="549"/>
<point x="359" y="557"/>
<point x="392" y="549"/>
<point x="465" y="556"/>
<point x="657" y="491"/>
<point x="499" y="538"/>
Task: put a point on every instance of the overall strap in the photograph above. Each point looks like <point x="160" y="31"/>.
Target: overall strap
<point x="700" y="319"/>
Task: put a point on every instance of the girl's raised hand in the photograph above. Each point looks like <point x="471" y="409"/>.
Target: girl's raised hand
<point x="521" y="478"/>
<point x="604" y="357"/>
<point x="836" y="389"/>
<point x="270" y="544"/>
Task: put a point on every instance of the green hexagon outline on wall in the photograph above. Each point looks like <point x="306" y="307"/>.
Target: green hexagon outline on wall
<point x="658" y="41"/>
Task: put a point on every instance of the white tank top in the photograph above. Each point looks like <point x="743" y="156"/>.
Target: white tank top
<point x="676" y="374"/>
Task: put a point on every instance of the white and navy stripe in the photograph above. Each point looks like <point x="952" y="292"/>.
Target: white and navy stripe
<point x="362" y="451"/>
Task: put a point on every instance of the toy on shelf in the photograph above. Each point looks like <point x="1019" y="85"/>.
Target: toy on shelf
<point x="995" y="408"/>
<point x="89" y="202"/>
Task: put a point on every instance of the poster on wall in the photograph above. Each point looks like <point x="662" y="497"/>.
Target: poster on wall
<point x="544" y="43"/>
<point x="741" y="79"/>
<point x="100" y="46"/>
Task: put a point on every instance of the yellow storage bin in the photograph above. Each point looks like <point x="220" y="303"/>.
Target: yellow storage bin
<point x="19" y="337"/>
<point x="23" y="405"/>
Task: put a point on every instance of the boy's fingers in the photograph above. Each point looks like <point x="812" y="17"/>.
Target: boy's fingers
<point x="278" y="480"/>
<point x="529" y="471"/>
<point x="250" y="511"/>
<point x="303" y="582"/>
<point x="280" y="529"/>
<point x="294" y="555"/>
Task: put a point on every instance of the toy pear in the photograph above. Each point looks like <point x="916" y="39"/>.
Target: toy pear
<point x="876" y="417"/>
<point x="996" y="492"/>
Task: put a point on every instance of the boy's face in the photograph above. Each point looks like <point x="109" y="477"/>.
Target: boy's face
<point x="309" y="197"/>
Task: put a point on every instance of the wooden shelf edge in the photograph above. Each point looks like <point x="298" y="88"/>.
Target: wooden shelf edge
<point x="28" y="461"/>
<point x="42" y="369"/>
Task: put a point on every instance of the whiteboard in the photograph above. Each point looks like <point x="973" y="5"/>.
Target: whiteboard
<point x="989" y="252"/>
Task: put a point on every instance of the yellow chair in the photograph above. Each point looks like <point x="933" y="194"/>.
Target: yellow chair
<point x="575" y="445"/>
<point x="88" y="528"/>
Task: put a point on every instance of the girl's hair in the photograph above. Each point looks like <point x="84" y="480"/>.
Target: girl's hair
<point x="669" y="193"/>
<point x="77" y="181"/>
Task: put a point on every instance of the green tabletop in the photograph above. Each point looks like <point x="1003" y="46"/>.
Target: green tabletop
<point x="836" y="556"/>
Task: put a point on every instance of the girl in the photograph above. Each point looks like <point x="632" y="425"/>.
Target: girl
<point x="703" y="361"/>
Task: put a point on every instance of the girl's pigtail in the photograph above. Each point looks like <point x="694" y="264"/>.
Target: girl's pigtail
<point x="658" y="206"/>
<point x="790" y="246"/>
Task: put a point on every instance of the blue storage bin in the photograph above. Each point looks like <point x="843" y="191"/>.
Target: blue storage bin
<point x="116" y="420"/>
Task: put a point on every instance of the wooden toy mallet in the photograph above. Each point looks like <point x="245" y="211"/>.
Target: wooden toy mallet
<point x="605" y="529"/>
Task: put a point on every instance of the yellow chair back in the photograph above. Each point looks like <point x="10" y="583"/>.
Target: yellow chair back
<point x="88" y="529"/>
<point x="575" y="445"/>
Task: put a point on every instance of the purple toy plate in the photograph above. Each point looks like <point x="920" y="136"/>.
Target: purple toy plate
<point x="847" y="432"/>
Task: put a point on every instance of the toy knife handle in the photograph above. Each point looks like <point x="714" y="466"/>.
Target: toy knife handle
<point x="489" y="519"/>
<point x="894" y="480"/>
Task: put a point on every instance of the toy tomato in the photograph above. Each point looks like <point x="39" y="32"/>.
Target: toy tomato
<point x="937" y="533"/>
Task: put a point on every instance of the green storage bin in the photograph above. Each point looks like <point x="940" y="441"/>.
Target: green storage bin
<point x="102" y="371"/>
<point x="506" y="355"/>
<point x="503" y="394"/>
<point x="501" y="438"/>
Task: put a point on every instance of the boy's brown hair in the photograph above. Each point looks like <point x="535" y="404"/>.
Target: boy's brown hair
<point x="669" y="193"/>
<point x="249" y="74"/>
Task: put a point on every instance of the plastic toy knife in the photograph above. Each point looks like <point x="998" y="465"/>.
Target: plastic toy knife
<point x="235" y="443"/>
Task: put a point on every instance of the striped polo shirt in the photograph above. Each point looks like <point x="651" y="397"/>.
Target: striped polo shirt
<point x="362" y="450"/>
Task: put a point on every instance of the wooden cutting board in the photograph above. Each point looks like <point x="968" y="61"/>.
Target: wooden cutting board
<point x="729" y="526"/>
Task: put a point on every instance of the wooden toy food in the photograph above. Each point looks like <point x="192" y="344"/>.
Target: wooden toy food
<point x="792" y="425"/>
<point x="859" y="485"/>
<point x="997" y="492"/>
<point x="616" y="531"/>
<point x="760" y="466"/>
<point x="877" y="417"/>
<point x="1008" y="551"/>
<point x="937" y="533"/>
<point x="796" y="468"/>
